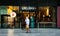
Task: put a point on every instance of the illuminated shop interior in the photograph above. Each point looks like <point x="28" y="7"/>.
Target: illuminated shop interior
<point x="43" y="17"/>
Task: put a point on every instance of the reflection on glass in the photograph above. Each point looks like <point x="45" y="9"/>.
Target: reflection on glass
<point x="10" y="21"/>
<point x="10" y="32"/>
<point x="47" y="11"/>
<point x="45" y="14"/>
<point x="43" y="17"/>
<point x="4" y="22"/>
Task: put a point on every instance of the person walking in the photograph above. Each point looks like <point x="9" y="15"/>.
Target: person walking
<point x="27" y="21"/>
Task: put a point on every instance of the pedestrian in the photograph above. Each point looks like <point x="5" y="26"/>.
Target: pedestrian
<point x="27" y="21"/>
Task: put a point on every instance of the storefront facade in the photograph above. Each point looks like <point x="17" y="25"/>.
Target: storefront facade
<point x="40" y="17"/>
<point x="42" y="14"/>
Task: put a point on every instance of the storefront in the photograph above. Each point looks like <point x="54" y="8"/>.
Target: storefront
<point x="31" y="11"/>
<point x="47" y="17"/>
<point x="6" y="20"/>
<point x="40" y="17"/>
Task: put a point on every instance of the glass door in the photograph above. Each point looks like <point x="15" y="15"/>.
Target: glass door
<point x="4" y="23"/>
<point x="31" y="16"/>
<point x="23" y="15"/>
<point x="9" y="22"/>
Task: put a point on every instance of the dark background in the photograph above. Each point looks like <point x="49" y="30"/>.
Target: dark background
<point x="29" y="2"/>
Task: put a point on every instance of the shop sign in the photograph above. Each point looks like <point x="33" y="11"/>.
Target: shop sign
<point x="13" y="14"/>
<point x="28" y="8"/>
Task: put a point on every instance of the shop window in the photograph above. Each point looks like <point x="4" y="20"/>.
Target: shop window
<point x="46" y="14"/>
<point x="46" y="17"/>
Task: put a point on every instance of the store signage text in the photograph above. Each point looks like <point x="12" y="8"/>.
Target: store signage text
<point x="28" y="8"/>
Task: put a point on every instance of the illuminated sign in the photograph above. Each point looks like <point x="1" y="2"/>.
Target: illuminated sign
<point x="13" y="14"/>
<point x="28" y="8"/>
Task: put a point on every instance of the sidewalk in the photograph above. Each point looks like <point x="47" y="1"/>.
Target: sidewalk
<point x="33" y="32"/>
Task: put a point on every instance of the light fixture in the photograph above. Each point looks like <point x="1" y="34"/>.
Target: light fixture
<point x="47" y="11"/>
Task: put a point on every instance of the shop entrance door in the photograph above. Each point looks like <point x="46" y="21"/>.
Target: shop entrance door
<point x="9" y="22"/>
<point x="31" y="18"/>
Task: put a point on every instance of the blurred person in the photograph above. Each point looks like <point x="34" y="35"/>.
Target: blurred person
<point x="32" y="21"/>
<point x="27" y="23"/>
